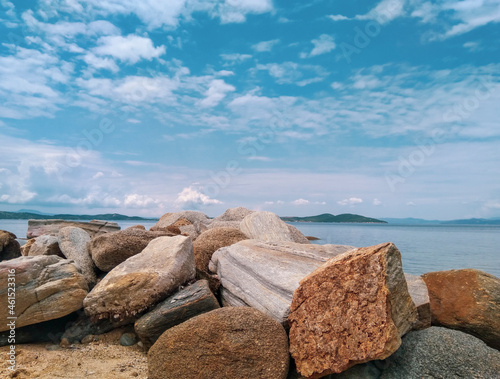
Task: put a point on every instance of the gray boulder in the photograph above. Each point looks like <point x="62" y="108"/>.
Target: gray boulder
<point x="420" y="296"/>
<point x="297" y="235"/>
<point x="192" y="223"/>
<point x="73" y="243"/>
<point x="47" y="287"/>
<point x="267" y="226"/>
<point x="264" y="275"/>
<point x="442" y="353"/>
<point x="44" y="245"/>
<point x="37" y="228"/>
<point x="143" y="280"/>
<point x="234" y="214"/>
<point x="9" y="247"/>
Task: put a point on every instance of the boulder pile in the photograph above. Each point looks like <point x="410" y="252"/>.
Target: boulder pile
<point x="247" y="295"/>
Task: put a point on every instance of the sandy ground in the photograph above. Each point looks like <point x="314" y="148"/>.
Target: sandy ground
<point x="101" y="359"/>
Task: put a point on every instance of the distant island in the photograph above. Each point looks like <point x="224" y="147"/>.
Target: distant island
<point x="43" y="216"/>
<point x="342" y="218"/>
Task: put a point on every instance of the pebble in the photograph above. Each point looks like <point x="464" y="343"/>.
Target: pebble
<point x="128" y="339"/>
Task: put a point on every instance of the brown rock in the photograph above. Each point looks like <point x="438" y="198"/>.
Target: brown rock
<point x="351" y="310"/>
<point x="44" y="245"/>
<point x="74" y="244"/>
<point x="25" y="249"/>
<point x="9" y="247"/>
<point x="467" y="300"/>
<point x="192" y="223"/>
<point x="234" y="342"/>
<point x="37" y="228"/>
<point x="420" y="296"/>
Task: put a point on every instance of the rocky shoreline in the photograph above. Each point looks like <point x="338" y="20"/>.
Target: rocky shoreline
<point x="241" y="295"/>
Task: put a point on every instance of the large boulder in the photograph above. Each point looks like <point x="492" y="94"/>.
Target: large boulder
<point x="111" y="249"/>
<point x="191" y="223"/>
<point x="43" y="245"/>
<point x="46" y="287"/>
<point x="9" y="247"/>
<point x="234" y="214"/>
<point x="467" y="300"/>
<point x="74" y="244"/>
<point x="174" y="310"/>
<point x="234" y="342"/>
<point x="264" y="275"/>
<point x="297" y="235"/>
<point x="420" y="296"/>
<point x="266" y="226"/>
<point x="142" y="280"/>
<point x="442" y="353"/>
<point x="353" y="309"/>
<point x="37" y="228"/>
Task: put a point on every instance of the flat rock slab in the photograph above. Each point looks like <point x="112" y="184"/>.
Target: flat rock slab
<point x="267" y="226"/>
<point x="174" y="310"/>
<point x="264" y="275"/>
<point x="74" y="244"/>
<point x="420" y="296"/>
<point x="37" y="228"/>
<point x="351" y="310"/>
<point x="227" y="343"/>
<point x="47" y="287"/>
<point x="143" y="280"/>
<point x="467" y="300"/>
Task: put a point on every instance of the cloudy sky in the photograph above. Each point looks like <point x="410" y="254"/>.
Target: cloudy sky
<point x="387" y="109"/>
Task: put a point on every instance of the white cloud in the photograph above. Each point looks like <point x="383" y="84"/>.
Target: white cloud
<point x="472" y="14"/>
<point x="293" y="73"/>
<point x="216" y="92"/>
<point x="98" y="175"/>
<point x="265" y="45"/>
<point x="377" y="202"/>
<point x="192" y="198"/>
<point x="259" y="158"/>
<point x="324" y="44"/>
<point x="236" y="10"/>
<point x="139" y="201"/>
<point x="338" y="17"/>
<point x="301" y="202"/>
<point x="351" y="201"/>
<point x="129" y="49"/>
<point x="100" y="63"/>
<point x="385" y="11"/>
<point x="235" y="58"/>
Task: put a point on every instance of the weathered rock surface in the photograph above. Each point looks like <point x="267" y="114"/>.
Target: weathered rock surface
<point x="264" y="275"/>
<point x="111" y="249"/>
<point x="47" y="287"/>
<point x="266" y="226"/>
<point x="442" y="353"/>
<point x="234" y="214"/>
<point x="143" y="280"/>
<point x="192" y="223"/>
<point x="37" y="228"/>
<point x="420" y="296"/>
<point x="73" y="243"/>
<point x="297" y="235"/>
<point x="25" y="249"/>
<point x="43" y="245"/>
<point x="80" y="327"/>
<point x="467" y="300"/>
<point x="227" y="343"/>
<point x="9" y="247"/>
<point x="224" y="224"/>
<point x="174" y="310"/>
<point x="351" y="310"/>
<point x="212" y="240"/>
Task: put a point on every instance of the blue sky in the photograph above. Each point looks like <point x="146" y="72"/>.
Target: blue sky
<point x="386" y="109"/>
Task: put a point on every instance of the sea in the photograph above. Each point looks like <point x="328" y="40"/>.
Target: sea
<point x="423" y="248"/>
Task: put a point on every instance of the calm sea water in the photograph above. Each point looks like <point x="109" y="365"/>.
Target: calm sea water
<point x="423" y="248"/>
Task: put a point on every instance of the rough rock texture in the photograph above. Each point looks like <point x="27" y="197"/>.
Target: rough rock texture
<point x="192" y="223"/>
<point x="227" y="343"/>
<point x="43" y="245"/>
<point x="420" y="296"/>
<point x="442" y="353"/>
<point x="467" y="300"/>
<point x="297" y="235"/>
<point x="174" y="310"/>
<point x="224" y="224"/>
<point x="73" y="243"/>
<point x="264" y="275"/>
<point x="353" y="309"/>
<point x="111" y="249"/>
<point x="234" y="214"/>
<point x="212" y="240"/>
<point x="47" y="287"/>
<point x="37" y="228"/>
<point x="9" y="247"/>
<point x="143" y="280"/>
<point x="25" y="249"/>
<point x="267" y="226"/>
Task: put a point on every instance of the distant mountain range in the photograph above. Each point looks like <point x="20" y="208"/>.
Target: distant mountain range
<point x="44" y="216"/>
<point x="342" y="218"/>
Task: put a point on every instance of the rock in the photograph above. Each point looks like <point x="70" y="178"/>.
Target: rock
<point x="44" y="245"/>
<point x="420" y="296"/>
<point x="47" y="287"/>
<point x="9" y="247"/>
<point x="25" y="249"/>
<point x="224" y="224"/>
<point x="140" y="227"/>
<point x="74" y="244"/>
<point x="234" y="342"/>
<point x="442" y="353"/>
<point x="266" y="226"/>
<point x="264" y="275"/>
<point x="234" y="214"/>
<point x="64" y="343"/>
<point x="111" y="249"/>
<point x="37" y="228"/>
<point x="128" y="339"/>
<point x="174" y="310"/>
<point x="212" y="240"/>
<point x="297" y="235"/>
<point x="353" y="309"/>
<point x="467" y="300"/>
<point x="142" y="280"/>
<point x="192" y="223"/>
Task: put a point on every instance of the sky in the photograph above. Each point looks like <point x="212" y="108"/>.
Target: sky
<point x="382" y="108"/>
